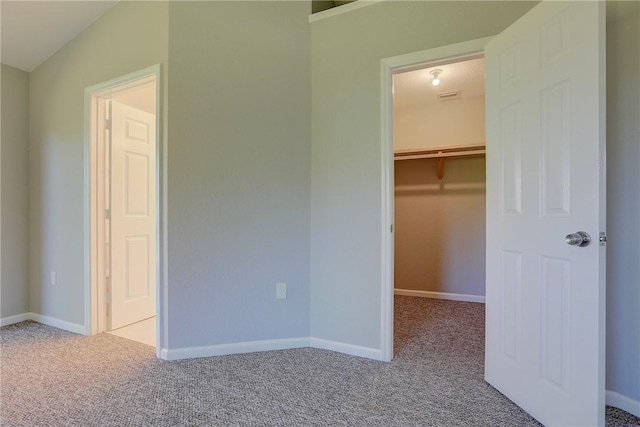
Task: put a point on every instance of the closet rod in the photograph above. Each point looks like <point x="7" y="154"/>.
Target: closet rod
<point x="440" y="153"/>
<point x="443" y="151"/>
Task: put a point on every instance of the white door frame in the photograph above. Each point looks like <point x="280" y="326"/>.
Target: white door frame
<point x="427" y="58"/>
<point x="94" y="100"/>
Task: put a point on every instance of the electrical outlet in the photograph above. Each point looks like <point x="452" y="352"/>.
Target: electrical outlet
<point x="53" y="278"/>
<point x="281" y="291"/>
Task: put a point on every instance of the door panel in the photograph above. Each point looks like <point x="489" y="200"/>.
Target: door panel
<point x="133" y="231"/>
<point x="545" y="179"/>
<point x="136" y="185"/>
<point x="137" y="263"/>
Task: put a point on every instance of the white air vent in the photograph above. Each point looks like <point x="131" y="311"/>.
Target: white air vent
<point x="447" y="96"/>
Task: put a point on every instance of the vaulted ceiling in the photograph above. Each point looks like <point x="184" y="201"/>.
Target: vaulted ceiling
<point x="32" y="31"/>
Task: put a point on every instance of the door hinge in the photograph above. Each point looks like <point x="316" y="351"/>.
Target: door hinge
<point x="107" y="124"/>
<point x="107" y="214"/>
<point x="391" y="228"/>
<point x="603" y="238"/>
<point x="107" y="286"/>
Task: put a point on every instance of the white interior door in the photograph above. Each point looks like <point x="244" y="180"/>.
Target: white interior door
<point x="133" y="213"/>
<point x="545" y="179"/>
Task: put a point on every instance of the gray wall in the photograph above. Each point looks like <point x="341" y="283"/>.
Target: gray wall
<point x="131" y="36"/>
<point x="440" y="226"/>
<point x="623" y="200"/>
<point x="345" y="180"/>
<point x="238" y="163"/>
<point x="14" y="136"/>
<point x="239" y="171"/>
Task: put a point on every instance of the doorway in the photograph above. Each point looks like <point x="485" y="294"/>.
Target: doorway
<point x="430" y="60"/>
<point x="122" y="122"/>
<point x="440" y="180"/>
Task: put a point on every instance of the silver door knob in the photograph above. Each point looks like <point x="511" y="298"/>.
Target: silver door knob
<point x="581" y="238"/>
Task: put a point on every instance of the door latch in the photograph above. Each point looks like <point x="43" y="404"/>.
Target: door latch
<point x="603" y="238"/>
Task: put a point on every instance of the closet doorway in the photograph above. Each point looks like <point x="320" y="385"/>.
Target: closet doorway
<point x="440" y="180"/>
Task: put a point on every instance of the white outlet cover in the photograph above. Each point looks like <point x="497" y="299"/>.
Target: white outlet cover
<point x="281" y="290"/>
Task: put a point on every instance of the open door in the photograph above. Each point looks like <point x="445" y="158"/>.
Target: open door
<point x="545" y="180"/>
<point x="133" y="213"/>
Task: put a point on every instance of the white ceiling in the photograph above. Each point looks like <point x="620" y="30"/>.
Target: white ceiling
<point x="414" y="88"/>
<point x="143" y="97"/>
<point x="32" y="31"/>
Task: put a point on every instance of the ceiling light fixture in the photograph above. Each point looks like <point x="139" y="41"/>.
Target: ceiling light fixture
<point x="435" y="74"/>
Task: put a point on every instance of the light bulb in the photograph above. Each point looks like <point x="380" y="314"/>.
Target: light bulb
<point x="436" y="76"/>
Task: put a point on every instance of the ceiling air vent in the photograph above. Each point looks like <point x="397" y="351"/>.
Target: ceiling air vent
<point x="447" y="96"/>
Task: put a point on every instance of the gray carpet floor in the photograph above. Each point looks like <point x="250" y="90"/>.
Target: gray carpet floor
<point x="49" y="377"/>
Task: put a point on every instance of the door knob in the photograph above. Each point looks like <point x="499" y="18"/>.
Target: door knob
<point x="581" y="238"/>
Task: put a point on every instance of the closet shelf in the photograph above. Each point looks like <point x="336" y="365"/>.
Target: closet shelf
<point x="437" y="152"/>
<point x="440" y="153"/>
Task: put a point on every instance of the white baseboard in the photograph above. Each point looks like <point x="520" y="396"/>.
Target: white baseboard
<point x="233" y="348"/>
<point x="440" y="295"/>
<point x="623" y="402"/>
<point x="57" y="323"/>
<point x="10" y="320"/>
<point x="353" y="350"/>
<point x="46" y="320"/>
<point x="268" y="345"/>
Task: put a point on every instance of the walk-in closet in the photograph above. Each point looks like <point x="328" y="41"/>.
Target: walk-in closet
<point x="439" y="147"/>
